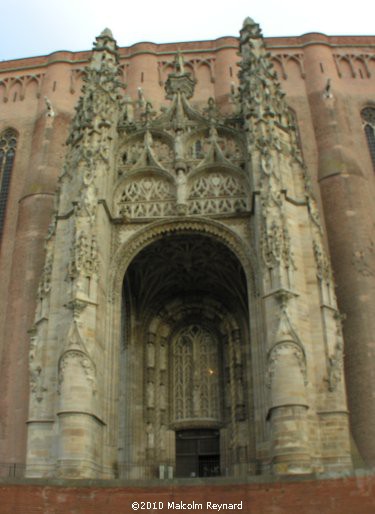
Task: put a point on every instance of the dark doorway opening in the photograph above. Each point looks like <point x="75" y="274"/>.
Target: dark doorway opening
<point x="197" y="453"/>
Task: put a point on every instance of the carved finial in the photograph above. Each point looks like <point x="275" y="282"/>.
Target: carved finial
<point x="105" y="42"/>
<point x="248" y="21"/>
<point x="179" y="63"/>
<point x="107" y="33"/>
<point x="250" y="28"/>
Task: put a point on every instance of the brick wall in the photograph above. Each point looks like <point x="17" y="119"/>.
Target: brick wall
<point x="335" y="496"/>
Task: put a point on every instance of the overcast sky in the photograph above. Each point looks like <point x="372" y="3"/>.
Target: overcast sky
<point x="39" y="27"/>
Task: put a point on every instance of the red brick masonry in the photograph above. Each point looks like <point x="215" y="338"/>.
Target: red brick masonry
<point x="354" y="495"/>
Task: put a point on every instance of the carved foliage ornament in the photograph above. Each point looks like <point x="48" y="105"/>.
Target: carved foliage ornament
<point x="84" y="257"/>
<point x="276" y="245"/>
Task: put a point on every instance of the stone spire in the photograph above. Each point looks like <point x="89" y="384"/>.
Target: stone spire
<point x="88" y="162"/>
<point x="100" y="92"/>
<point x="263" y="101"/>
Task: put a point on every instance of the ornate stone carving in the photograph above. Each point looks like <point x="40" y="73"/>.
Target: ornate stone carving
<point x="336" y="360"/>
<point x="275" y="245"/>
<point x="84" y="361"/>
<point x="212" y="228"/>
<point x="217" y="193"/>
<point x="133" y="155"/>
<point x="147" y="197"/>
<point x="195" y="375"/>
<point x="286" y="339"/>
<point x="36" y="377"/>
<point x="322" y="264"/>
<point x="188" y="145"/>
<point x="75" y="350"/>
<point x="45" y="281"/>
<point x="192" y="65"/>
<point x="84" y="259"/>
<point x="179" y="82"/>
<point x="92" y="130"/>
<point x="269" y="131"/>
<point x="230" y="150"/>
<point x="277" y="351"/>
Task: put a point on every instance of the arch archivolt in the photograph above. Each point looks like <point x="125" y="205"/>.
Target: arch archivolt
<point x="126" y="252"/>
<point x="150" y="339"/>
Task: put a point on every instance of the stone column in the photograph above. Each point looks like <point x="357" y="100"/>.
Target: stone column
<point x="80" y="430"/>
<point x="290" y="450"/>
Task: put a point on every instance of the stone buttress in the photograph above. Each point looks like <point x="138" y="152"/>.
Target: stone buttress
<point x="235" y="185"/>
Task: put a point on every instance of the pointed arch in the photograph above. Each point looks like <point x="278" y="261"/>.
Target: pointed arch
<point x="8" y="144"/>
<point x="368" y="119"/>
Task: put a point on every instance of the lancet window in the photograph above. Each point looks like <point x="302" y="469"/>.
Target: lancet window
<point x="8" y="143"/>
<point x="195" y="374"/>
<point x="368" y="118"/>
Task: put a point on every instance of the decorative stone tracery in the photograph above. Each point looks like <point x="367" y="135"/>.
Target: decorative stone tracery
<point x="195" y="362"/>
<point x="217" y="193"/>
<point x="147" y="197"/>
<point x="194" y="244"/>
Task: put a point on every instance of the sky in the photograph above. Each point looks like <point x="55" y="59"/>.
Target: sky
<point x="40" y="27"/>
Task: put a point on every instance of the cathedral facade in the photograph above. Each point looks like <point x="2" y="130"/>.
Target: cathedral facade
<point x="187" y="258"/>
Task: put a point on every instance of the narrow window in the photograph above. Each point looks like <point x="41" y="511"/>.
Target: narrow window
<point x="8" y="142"/>
<point x="368" y="118"/>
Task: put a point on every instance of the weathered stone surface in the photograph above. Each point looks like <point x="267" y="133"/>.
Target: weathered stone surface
<point x="184" y="282"/>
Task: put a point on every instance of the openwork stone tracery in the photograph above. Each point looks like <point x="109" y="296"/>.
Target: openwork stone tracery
<point x="183" y="265"/>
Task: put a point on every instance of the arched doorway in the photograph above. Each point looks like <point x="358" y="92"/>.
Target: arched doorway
<point x="186" y="383"/>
